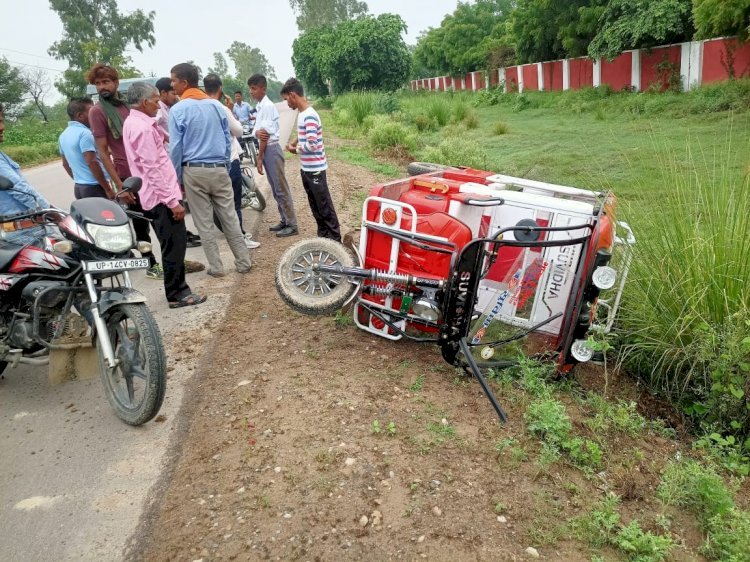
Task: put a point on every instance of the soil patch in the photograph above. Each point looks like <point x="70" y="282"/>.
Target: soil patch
<point x="309" y="439"/>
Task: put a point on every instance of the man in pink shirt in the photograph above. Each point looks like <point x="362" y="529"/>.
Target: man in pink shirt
<point x="160" y="196"/>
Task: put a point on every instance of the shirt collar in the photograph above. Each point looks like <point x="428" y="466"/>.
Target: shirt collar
<point x="141" y="116"/>
<point x="76" y="124"/>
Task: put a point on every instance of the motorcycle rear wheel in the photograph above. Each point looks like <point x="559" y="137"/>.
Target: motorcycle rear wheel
<point x="309" y="292"/>
<point x="135" y="388"/>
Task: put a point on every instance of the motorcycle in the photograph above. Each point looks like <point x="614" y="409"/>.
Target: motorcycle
<point x="251" y="195"/>
<point x="82" y="260"/>
<point x="484" y="265"/>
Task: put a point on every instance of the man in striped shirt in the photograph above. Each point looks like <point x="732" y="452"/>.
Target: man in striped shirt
<point x="312" y="158"/>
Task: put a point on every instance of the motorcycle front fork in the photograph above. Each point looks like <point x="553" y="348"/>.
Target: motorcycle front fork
<point x="101" y="326"/>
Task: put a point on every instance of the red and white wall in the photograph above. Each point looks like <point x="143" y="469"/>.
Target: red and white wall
<point x="699" y="62"/>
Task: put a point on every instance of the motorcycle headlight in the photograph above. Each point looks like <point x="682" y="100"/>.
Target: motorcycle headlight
<point x="115" y="239"/>
<point x="604" y="277"/>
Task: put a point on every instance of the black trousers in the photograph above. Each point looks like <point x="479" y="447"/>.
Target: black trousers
<point x="321" y="204"/>
<point x="85" y="190"/>
<point x="235" y="174"/>
<point x="172" y="236"/>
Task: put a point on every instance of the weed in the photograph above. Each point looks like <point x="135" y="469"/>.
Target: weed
<point x="500" y="128"/>
<point x="439" y="109"/>
<point x="689" y="484"/>
<point x="418" y="384"/>
<point x="424" y="122"/>
<point x="500" y="508"/>
<point x="264" y="501"/>
<point x="343" y="319"/>
<point x="640" y="546"/>
<point x="609" y="416"/>
<point x="392" y="428"/>
<point x="375" y="428"/>
<point x="454" y="151"/>
<point x="547" y="419"/>
<point x="442" y="430"/>
<point x="726" y="452"/>
<point x="505" y="443"/>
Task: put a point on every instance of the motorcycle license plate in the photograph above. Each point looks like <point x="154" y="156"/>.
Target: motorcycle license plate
<point x="115" y="265"/>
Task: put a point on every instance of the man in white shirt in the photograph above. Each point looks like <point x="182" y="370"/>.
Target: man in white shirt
<point x="271" y="155"/>
<point x="212" y="85"/>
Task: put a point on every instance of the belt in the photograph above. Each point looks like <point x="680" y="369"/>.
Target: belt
<point x="12" y="226"/>
<point x="205" y="164"/>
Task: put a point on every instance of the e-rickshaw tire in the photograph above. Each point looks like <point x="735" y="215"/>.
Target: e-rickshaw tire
<point x="418" y="168"/>
<point x="310" y="293"/>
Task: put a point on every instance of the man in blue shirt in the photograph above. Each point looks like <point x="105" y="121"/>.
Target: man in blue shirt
<point x="79" y="155"/>
<point x="22" y="198"/>
<point x="200" y="146"/>
<point x="242" y="110"/>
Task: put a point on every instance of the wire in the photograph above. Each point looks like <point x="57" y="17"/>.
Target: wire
<point x="25" y="53"/>
<point x="23" y="64"/>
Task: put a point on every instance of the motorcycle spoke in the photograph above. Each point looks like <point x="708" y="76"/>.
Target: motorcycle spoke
<point x="131" y="389"/>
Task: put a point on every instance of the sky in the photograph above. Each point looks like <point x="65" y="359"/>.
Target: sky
<point x="194" y="30"/>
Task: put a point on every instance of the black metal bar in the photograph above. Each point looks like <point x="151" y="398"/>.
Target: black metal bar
<point x="482" y="381"/>
<point x="413" y="239"/>
<point x="390" y="324"/>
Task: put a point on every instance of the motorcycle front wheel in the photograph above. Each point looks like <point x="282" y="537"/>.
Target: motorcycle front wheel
<point x="252" y="194"/>
<point x="136" y="386"/>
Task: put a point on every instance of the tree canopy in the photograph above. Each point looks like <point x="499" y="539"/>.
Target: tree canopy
<point x="12" y="86"/>
<point x="466" y="38"/>
<point x="715" y="18"/>
<point x="634" y="24"/>
<point x="312" y="14"/>
<point x="249" y="60"/>
<point x="365" y="53"/>
<point x="96" y="31"/>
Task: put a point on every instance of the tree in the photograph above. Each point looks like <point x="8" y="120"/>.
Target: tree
<point x="546" y="30"/>
<point x="220" y="68"/>
<point x="361" y="54"/>
<point x="466" y="39"/>
<point x="12" y="87"/>
<point x="312" y="14"/>
<point x="248" y="61"/>
<point x="716" y="18"/>
<point x="37" y="86"/>
<point x="637" y="24"/>
<point x="95" y="31"/>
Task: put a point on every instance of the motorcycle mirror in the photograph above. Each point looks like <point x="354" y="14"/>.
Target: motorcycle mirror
<point x="5" y="184"/>
<point x="132" y="185"/>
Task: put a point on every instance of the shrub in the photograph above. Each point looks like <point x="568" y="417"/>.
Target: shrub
<point x="424" y="122"/>
<point x="387" y="102"/>
<point x="456" y="151"/>
<point x="439" y="108"/>
<point x="500" y="128"/>
<point x="460" y="109"/>
<point x="471" y="120"/>
<point x="386" y="135"/>
<point x="487" y="97"/>
<point x="686" y="316"/>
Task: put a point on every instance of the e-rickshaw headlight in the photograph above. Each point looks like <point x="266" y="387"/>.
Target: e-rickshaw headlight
<point x="581" y="351"/>
<point x="426" y="309"/>
<point x="604" y="277"/>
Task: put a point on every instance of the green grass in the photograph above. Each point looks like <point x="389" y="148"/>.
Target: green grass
<point x="360" y="157"/>
<point x="30" y="142"/>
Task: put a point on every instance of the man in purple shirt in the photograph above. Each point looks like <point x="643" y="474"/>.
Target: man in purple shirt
<point x="160" y="195"/>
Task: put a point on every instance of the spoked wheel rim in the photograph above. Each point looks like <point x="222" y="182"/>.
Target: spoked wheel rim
<point x="311" y="281"/>
<point x="129" y="378"/>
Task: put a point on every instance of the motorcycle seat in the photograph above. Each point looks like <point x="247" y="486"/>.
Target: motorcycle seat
<point x="8" y="252"/>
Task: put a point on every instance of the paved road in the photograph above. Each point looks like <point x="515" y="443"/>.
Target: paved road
<point x="73" y="478"/>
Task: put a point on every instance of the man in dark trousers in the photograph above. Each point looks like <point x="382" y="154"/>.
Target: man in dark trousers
<point x="160" y="195"/>
<point x="312" y="158"/>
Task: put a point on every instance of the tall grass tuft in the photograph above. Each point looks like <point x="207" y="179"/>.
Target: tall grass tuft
<point x="439" y="108"/>
<point x="686" y="316"/>
<point x="361" y="104"/>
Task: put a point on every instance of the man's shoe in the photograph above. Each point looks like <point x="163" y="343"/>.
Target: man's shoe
<point x="155" y="272"/>
<point x="287" y="231"/>
<point x="216" y="273"/>
<point x="193" y="266"/>
<point x="277" y="227"/>
<point x="250" y="243"/>
<point x="193" y="243"/>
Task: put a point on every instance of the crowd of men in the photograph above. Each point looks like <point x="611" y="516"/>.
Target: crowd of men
<point x="182" y="142"/>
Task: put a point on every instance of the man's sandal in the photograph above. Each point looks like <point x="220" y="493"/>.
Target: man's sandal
<point x="190" y="300"/>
